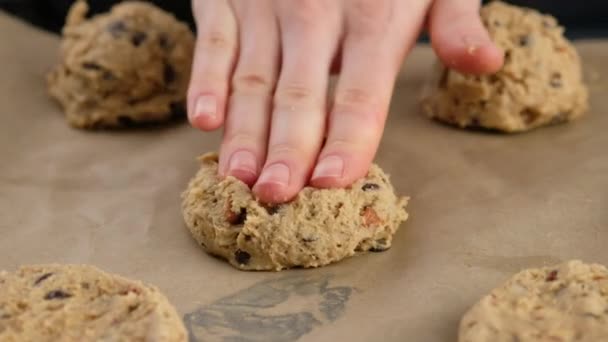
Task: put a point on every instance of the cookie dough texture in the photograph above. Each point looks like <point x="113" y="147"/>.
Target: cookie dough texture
<point x="539" y="84"/>
<point x="567" y="302"/>
<point x="128" y="66"/>
<point x="82" y="303"/>
<point x="317" y="228"/>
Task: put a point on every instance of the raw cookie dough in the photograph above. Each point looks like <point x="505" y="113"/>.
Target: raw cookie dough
<point x="567" y="302"/>
<point x="317" y="228"/>
<point x="82" y="303"/>
<point x="539" y="84"/>
<point x="131" y="65"/>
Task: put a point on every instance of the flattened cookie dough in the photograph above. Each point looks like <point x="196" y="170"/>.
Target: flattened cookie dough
<point x="81" y="303"/>
<point x="317" y="228"/>
<point x="567" y="302"/>
<point x="539" y="84"/>
<point x="128" y="66"/>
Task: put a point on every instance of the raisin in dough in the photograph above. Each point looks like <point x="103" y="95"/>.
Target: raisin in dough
<point x="567" y="302"/>
<point x="81" y="303"/>
<point x="539" y="84"/>
<point x="128" y="66"/>
<point x="317" y="228"/>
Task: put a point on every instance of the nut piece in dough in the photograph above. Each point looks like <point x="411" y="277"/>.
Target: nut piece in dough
<point x="318" y="227"/>
<point x="566" y="302"/>
<point x="128" y="66"/>
<point x="539" y="84"/>
<point x="80" y="303"/>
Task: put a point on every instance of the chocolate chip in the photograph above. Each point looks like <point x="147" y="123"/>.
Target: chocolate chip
<point x="525" y="40"/>
<point x="163" y="41"/>
<point x="370" y="186"/>
<point x="552" y="276"/>
<point x="337" y="208"/>
<point x="117" y="28"/>
<point x="559" y="118"/>
<point x="309" y="239"/>
<point x="556" y="80"/>
<point x="178" y="109"/>
<point x="42" y="278"/>
<point x="380" y="246"/>
<point x="108" y="76"/>
<point x="548" y="24"/>
<point x="125" y="121"/>
<point x="85" y="285"/>
<point x="169" y="74"/>
<point x="91" y="66"/>
<point x="247" y="237"/>
<point x="272" y="209"/>
<point x="379" y="249"/>
<point x="242" y="257"/>
<point x="133" y="307"/>
<point x="475" y="122"/>
<point x="57" y="294"/>
<point x="236" y="219"/>
<point x="128" y="290"/>
<point x="443" y="81"/>
<point x="138" y="37"/>
<point x="529" y="115"/>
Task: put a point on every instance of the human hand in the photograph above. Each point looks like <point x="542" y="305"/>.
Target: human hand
<point x="261" y="69"/>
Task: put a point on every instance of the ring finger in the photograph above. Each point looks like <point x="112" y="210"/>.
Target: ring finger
<point x="246" y="128"/>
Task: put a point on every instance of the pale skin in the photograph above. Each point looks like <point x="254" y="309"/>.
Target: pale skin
<point x="261" y="70"/>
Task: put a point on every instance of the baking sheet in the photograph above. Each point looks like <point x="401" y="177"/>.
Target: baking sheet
<point x="483" y="206"/>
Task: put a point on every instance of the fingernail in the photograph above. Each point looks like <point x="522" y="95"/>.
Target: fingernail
<point x="329" y="167"/>
<point x="206" y="105"/>
<point x="243" y="161"/>
<point x="275" y="174"/>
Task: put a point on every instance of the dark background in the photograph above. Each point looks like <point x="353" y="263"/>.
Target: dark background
<point x="583" y="18"/>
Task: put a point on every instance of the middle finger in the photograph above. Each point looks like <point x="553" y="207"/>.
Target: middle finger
<point x="310" y="31"/>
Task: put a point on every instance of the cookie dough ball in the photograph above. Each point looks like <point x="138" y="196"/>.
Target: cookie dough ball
<point x="128" y="66"/>
<point x="539" y="84"/>
<point x="317" y="228"/>
<point x="567" y="302"/>
<point x="82" y="303"/>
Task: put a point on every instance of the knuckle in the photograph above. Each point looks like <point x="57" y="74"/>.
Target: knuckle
<point x="354" y="147"/>
<point x="293" y="94"/>
<point x="365" y="120"/>
<point x="354" y="98"/>
<point x="307" y="11"/>
<point x="252" y="82"/>
<point x="236" y="139"/>
<point x="368" y="17"/>
<point x="307" y="16"/>
<point x="216" y="40"/>
<point x="283" y="149"/>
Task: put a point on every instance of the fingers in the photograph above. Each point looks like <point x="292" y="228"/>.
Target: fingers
<point x="246" y="128"/>
<point x="460" y="39"/>
<point x="309" y="40"/>
<point x="377" y="39"/>
<point x="216" y="47"/>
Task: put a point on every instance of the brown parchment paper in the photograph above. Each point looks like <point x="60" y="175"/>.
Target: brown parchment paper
<point x="483" y="206"/>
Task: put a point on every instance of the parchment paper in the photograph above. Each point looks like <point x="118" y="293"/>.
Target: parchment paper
<point x="483" y="206"/>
